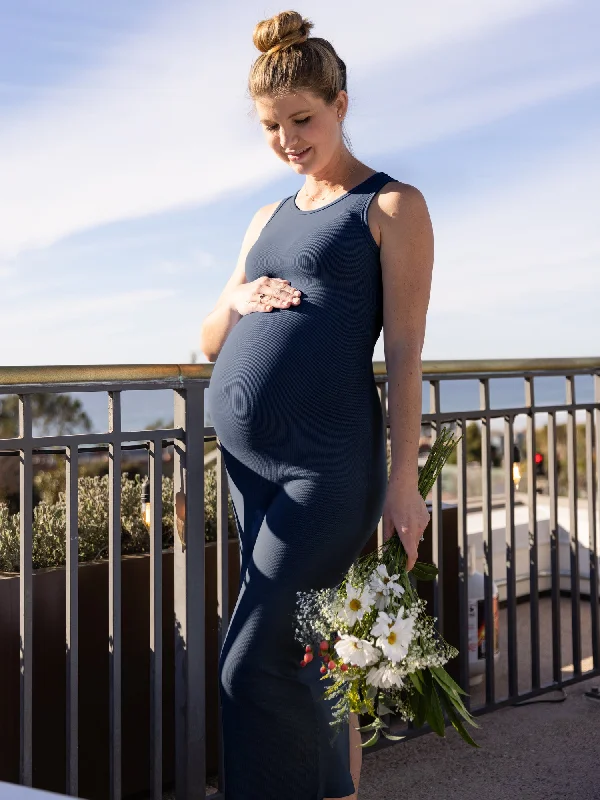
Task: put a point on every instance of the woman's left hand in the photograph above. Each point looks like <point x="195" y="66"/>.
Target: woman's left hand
<point x="405" y="510"/>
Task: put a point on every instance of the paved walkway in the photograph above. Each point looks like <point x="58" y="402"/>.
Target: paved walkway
<point x="539" y="751"/>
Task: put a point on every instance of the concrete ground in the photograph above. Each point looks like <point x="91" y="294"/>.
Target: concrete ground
<point x="539" y="751"/>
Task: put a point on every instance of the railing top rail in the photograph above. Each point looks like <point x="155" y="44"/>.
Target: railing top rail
<point x="102" y="373"/>
<point x="137" y="373"/>
<point x="503" y="365"/>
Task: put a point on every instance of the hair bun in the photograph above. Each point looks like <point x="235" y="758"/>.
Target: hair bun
<point x="283" y="30"/>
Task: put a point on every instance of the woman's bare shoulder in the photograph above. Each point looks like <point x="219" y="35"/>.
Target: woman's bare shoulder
<point x="397" y="194"/>
<point x="394" y="201"/>
<point x="264" y="213"/>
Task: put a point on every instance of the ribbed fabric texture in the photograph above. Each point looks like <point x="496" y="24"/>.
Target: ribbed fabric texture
<point x="293" y="400"/>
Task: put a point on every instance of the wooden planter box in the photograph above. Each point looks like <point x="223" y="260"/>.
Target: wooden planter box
<point x="49" y="673"/>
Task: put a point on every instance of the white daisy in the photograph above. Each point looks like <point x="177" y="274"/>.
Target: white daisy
<point x="382" y="624"/>
<point x="384" y="676"/>
<point x="380" y="598"/>
<point x="396" y="641"/>
<point x="353" y="650"/>
<point x="358" y="602"/>
<point x="382" y="582"/>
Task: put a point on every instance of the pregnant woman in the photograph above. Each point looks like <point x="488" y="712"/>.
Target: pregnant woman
<point x="295" y="407"/>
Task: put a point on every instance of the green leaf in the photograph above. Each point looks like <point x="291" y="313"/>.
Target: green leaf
<point x="371" y="692"/>
<point x="383" y="709"/>
<point x="414" y="699"/>
<point x="435" y="715"/>
<point x="393" y="737"/>
<point x="456" y="723"/>
<point x="443" y="685"/>
<point x="464" y="734"/>
<point x="462" y="710"/>
<point x="453" y="697"/>
<point x="425" y="566"/>
<point x="427" y="684"/>
<point x="416" y="680"/>
<point x="441" y="675"/>
<point x="421" y="710"/>
<point x="421" y="574"/>
<point x="370" y="727"/>
<point x="370" y="742"/>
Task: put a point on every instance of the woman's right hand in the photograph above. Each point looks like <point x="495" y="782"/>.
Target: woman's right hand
<point x="276" y="292"/>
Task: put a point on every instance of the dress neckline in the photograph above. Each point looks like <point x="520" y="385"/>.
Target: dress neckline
<point x="337" y="199"/>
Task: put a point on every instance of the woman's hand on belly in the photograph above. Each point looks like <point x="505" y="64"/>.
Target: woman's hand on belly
<point x="264" y="294"/>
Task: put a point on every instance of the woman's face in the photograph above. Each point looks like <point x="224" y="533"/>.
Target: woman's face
<point x="302" y="121"/>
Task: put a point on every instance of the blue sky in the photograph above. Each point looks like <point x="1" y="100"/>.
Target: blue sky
<point x="131" y="165"/>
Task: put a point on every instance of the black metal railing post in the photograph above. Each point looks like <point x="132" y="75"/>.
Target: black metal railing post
<point x="26" y="589"/>
<point x="72" y="622"/>
<point x="114" y="591"/>
<point x="156" y="610"/>
<point x="188" y="477"/>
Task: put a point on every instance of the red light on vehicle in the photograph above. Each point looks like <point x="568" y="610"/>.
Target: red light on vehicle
<point x="539" y="458"/>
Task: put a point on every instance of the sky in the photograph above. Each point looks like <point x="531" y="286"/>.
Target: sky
<point x="131" y="165"/>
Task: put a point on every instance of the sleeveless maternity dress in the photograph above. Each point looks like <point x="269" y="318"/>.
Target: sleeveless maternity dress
<point x="294" y="404"/>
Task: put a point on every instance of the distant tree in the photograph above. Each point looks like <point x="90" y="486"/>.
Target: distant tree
<point x="57" y="414"/>
<point x="52" y="413"/>
<point x="159" y="424"/>
<point x="9" y="481"/>
<point x="472" y="444"/>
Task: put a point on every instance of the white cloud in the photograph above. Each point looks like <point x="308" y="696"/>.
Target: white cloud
<point x="430" y="118"/>
<point x="518" y="238"/>
<point x="197" y="261"/>
<point x="404" y="30"/>
<point x="110" y="327"/>
<point x="70" y="311"/>
<point x="161" y="123"/>
<point x="516" y="270"/>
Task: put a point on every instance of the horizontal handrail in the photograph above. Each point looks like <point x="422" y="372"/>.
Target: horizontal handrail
<point x="102" y="373"/>
<point x="123" y="373"/>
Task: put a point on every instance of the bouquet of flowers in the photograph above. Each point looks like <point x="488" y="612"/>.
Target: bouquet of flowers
<point x="381" y="652"/>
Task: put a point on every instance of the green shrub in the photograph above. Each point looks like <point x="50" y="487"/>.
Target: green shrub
<point x="49" y="522"/>
<point x="9" y="539"/>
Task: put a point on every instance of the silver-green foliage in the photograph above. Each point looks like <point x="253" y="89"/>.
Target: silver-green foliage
<point x="49" y="522"/>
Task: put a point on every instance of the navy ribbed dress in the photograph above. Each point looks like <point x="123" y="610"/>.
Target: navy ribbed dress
<point x="294" y="404"/>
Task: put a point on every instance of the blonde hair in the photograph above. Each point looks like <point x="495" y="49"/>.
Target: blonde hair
<point x="292" y="62"/>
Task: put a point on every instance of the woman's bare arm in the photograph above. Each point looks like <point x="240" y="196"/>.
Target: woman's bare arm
<point x="217" y="325"/>
<point x="407" y="264"/>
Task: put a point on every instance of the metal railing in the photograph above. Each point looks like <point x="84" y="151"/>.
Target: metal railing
<point x="188" y="435"/>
